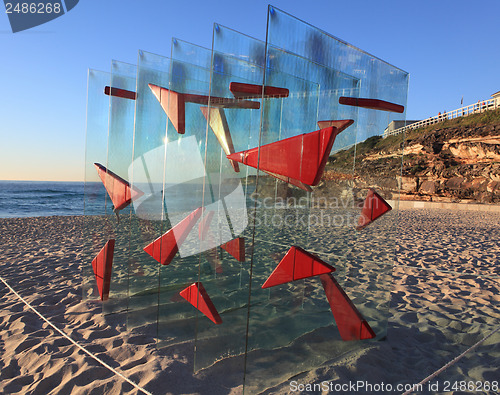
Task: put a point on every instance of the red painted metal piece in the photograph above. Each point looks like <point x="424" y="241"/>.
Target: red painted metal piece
<point x="205" y="225"/>
<point x="110" y="91"/>
<point x="301" y="158"/>
<point x="295" y="265"/>
<point x="350" y="322"/>
<point x="174" y="104"/>
<point x="340" y="124"/>
<point x="198" y="297"/>
<point x="373" y="207"/>
<point x="102" y="265"/>
<point x="164" y="248"/>
<point x="119" y="190"/>
<point x="239" y="89"/>
<point x="236" y="248"/>
<point x="373" y="104"/>
<point x="218" y="123"/>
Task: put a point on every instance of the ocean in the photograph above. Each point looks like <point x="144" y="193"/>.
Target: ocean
<point x="41" y="198"/>
<point x="47" y="198"/>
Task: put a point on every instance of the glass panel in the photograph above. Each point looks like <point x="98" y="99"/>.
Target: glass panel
<point x="281" y="315"/>
<point x="184" y="183"/>
<point x="296" y="320"/>
<point x="119" y="158"/>
<point x="94" y="221"/>
<point x="237" y="45"/>
<point x="146" y="173"/>
<point x="224" y="274"/>
<point x="378" y="79"/>
<point x="187" y="52"/>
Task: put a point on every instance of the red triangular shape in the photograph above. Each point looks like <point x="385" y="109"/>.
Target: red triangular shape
<point x="339" y="124"/>
<point x="119" y="190"/>
<point x="295" y="265"/>
<point x="302" y="158"/>
<point x="173" y="104"/>
<point x="102" y="264"/>
<point x="236" y="248"/>
<point x="351" y="324"/>
<point x="164" y="248"/>
<point x="373" y="207"/>
<point x="198" y="297"/>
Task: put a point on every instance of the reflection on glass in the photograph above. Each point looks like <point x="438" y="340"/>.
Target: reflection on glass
<point x="119" y="156"/>
<point x="95" y="231"/>
<point x="145" y="173"/>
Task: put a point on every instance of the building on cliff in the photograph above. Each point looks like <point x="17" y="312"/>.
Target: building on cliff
<point x="396" y="125"/>
<point x="496" y="96"/>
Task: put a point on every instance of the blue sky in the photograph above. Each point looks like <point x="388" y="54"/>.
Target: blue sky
<point x="450" y="49"/>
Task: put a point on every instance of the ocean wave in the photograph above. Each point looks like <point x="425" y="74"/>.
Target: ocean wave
<point x="43" y="191"/>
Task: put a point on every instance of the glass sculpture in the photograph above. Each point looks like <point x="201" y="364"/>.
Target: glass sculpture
<point x="234" y="231"/>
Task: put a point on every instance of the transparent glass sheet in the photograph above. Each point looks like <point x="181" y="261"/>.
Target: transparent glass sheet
<point x="119" y="158"/>
<point x="184" y="183"/>
<point x="229" y="42"/>
<point x="228" y="194"/>
<point x="369" y="266"/>
<point x="146" y="173"/>
<point x="331" y="201"/>
<point x="302" y="332"/>
<point x="282" y="315"/>
<point x="95" y="229"/>
<point x="378" y="79"/>
<point x="187" y="52"/>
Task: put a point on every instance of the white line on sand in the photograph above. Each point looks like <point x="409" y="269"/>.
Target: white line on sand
<point x="453" y="361"/>
<point x="75" y="343"/>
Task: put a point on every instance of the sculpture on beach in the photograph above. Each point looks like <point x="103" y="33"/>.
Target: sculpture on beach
<point x="226" y="152"/>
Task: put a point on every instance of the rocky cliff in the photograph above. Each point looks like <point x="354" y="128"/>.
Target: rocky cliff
<point x="455" y="161"/>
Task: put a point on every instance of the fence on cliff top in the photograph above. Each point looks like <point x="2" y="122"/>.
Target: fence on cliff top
<point x="480" y="106"/>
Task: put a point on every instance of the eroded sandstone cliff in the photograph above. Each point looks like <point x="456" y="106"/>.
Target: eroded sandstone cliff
<point x="457" y="161"/>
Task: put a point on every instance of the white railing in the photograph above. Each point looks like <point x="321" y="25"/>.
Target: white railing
<point x="480" y="106"/>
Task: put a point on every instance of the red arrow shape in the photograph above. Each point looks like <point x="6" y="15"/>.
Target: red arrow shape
<point x="164" y="248"/>
<point x="198" y="297"/>
<point x="302" y="158"/>
<point x="295" y="265"/>
<point x="119" y="190"/>
<point x="236" y="248"/>
<point x="351" y="324"/>
<point x="373" y="207"/>
<point x="102" y="264"/>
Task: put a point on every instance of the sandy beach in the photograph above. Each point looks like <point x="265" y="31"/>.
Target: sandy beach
<point x="445" y="297"/>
